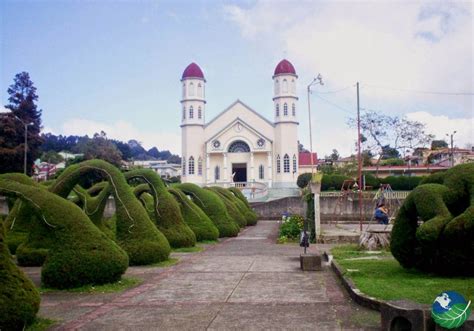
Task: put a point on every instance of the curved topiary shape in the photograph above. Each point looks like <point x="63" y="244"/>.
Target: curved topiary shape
<point x="79" y="253"/>
<point x="166" y="211"/>
<point x="248" y="213"/>
<point x="19" y="298"/>
<point x="240" y="196"/>
<point x="232" y="209"/>
<point x="444" y="242"/>
<point x="135" y="232"/>
<point x="197" y="220"/>
<point x="212" y="205"/>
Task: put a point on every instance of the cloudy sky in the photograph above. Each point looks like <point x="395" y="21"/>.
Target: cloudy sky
<point x="115" y="66"/>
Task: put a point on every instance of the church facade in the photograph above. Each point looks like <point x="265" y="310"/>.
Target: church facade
<point x="239" y="144"/>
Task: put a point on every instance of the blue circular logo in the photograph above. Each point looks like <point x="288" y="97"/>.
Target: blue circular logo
<point x="450" y="310"/>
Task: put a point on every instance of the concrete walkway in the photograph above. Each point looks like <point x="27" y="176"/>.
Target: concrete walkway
<point x="242" y="283"/>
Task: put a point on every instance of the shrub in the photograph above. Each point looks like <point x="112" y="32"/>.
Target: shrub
<point x="444" y="242"/>
<point x="135" y="232"/>
<point x="166" y="212"/>
<point x="291" y="227"/>
<point x="77" y="252"/>
<point x="402" y="183"/>
<point x="212" y="205"/>
<point x="333" y="182"/>
<point x="436" y="178"/>
<point x="241" y="201"/>
<point x="19" y="298"/>
<point x="372" y="181"/>
<point x="237" y="216"/>
<point x="197" y="220"/>
<point x="303" y="180"/>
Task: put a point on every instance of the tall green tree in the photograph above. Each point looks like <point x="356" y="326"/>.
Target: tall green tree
<point x="22" y="104"/>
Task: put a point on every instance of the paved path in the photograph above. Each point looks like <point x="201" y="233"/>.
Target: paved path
<point x="243" y="283"/>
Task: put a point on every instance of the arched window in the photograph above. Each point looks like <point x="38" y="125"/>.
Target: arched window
<point x="293" y="86"/>
<point x="199" y="90"/>
<point x="293" y="110"/>
<point x="285" y="86"/>
<point x="295" y="165"/>
<point x="184" y="90"/>
<point x="277" y="87"/>
<point x="184" y="113"/>
<point x="191" y="112"/>
<point x="217" y="173"/>
<point x="191" y="89"/>
<point x="286" y="163"/>
<point x="191" y="166"/>
<point x="199" y="112"/>
<point x="261" y="172"/>
<point x="184" y="166"/>
<point x="239" y="146"/>
<point x="278" y="164"/>
<point x="277" y="110"/>
<point x="285" y="109"/>
<point x="200" y="166"/>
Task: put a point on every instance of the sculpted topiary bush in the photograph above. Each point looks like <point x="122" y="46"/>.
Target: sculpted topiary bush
<point x="77" y="253"/>
<point x="231" y="207"/>
<point x="19" y="298"/>
<point x="247" y="213"/>
<point x="444" y="242"/>
<point x="212" y="205"/>
<point x="250" y="214"/>
<point x="197" y="220"/>
<point x="166" y="212"/>
<point x="135" y="232"/>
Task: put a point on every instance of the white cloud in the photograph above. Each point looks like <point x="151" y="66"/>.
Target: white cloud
<point x="124" y="131"/>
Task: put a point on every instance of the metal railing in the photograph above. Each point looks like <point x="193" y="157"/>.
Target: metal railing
<point x="371" y="194"/>
<point x="252" y="190"/>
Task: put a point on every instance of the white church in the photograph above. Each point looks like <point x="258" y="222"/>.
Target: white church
<point x="240" y="146"/>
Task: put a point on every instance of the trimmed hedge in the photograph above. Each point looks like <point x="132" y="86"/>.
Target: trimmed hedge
<point x="197" y="220"/>
<point x="78" y="253"/>
<point x="333" y="182"/>
<point x="166" y="211"/>
<point x="135" y="231"/>
<point x="19" y="298"/>
<point x="402" y="183"/>
<point x="303" y="180"/>
<point x="444" y="242"/>
<point x="213" y="206"/>
<point x="240" y="196"/>
<point x="231" y="207"/>
<point x="249" y="214"/>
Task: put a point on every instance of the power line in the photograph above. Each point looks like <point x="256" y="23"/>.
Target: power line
<point x="419" y="91"/>
<point x="336" y="91"/>
<point x="334" y="105"/>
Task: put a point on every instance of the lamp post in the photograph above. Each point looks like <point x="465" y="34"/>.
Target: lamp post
<point x="452" y="146"/>
<point x="26" y="125"/>
<point x="317" y="80"/>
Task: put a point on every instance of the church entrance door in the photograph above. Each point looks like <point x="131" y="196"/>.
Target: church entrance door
<point x="239" y="172"/>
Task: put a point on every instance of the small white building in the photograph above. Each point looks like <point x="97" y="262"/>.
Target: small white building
<point x="162" y="168"/>
<point x="239" y="144"/>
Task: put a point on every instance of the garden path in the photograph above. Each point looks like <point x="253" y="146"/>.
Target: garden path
<point x="247" y="282"/>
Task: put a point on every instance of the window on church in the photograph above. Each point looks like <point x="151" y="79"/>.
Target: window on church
<point x="286" y="163"/>
<point x="277" y="87"/>
<point x="199" y="166"/>
<point x="191" y="166"/>
<point x="217" y="173"/>
<point x="239" y="146"/>
<point x="191" y="89"/>
<point x="184" y="113"/>
<point x="293" y="86"/>
<point x="191" y="112"/>
<point x="184" y="167"/>
<point x="293" y="110"/>
<point x="199" y="90"/>
<point x="199" y="112"/>
<point x="295" y="165"/>
<point x="261" y="172"/>
<point x="285" y="109"/>
<point x="277" y="110"/>
<point x="184" y="90"/>
<point x="278" y="164"/>
<point x="285" y="86"/>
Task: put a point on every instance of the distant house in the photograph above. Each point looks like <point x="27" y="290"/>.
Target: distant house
<point x="161" y="167"/>
<point x="403" y="170"/>
<point x="68" y="156"/>
<point x="44" y="170"/>
<point x="305" y="162"/>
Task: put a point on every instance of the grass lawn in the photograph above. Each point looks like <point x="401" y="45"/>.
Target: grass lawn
<point x="163" y="264"/>
<point x="385" y="279"/>
<point x="40" y="324"/>
<point x="123" y="284"/>
<point x="193" y="249"/>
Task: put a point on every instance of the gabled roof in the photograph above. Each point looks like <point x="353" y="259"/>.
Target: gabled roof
<point x="245" y="124"/>
<point x="231" y="106"/>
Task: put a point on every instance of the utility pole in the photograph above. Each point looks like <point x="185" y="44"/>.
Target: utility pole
<point x="452" y="146"/>
<point x="316" y="80"/>
<point x="359" y="159"/>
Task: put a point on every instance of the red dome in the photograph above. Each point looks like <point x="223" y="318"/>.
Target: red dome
<point x="284" y="67"/>
<point x="192" y="71"/>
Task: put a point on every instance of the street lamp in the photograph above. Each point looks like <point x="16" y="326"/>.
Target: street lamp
<point x="26" y="125"/>
<point x="452" y="146"/>
<point x="317" y="80"/>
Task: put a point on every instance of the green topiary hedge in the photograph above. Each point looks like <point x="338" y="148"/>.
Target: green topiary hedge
<point x="249" y="214"/>
<point x="444" y="242"/>
<point x="213" y="206"/>
<point x="402" y="183"/>
<point x="166" y="212"/>
<point x="333" y="182"/>
<point x="135" y="231"/>
<point x="303" y="180"/>
<point x="231" y="207"/>
<point x="19" y="298"/>
<point x="197" y="220"/>
<point x="77" y="253"/>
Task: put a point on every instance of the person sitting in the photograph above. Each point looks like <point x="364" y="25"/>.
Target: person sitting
<point x="381" y="214"/>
